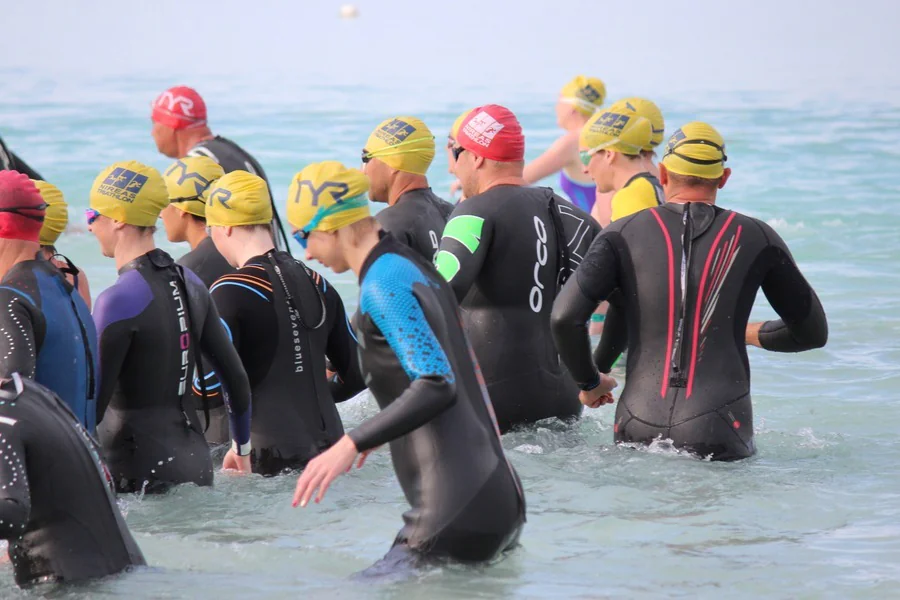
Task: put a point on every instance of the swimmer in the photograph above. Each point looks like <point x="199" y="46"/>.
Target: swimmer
<point x="48" y="333"/>
<point x="396" y="157"/>
<point x="504" y="252"/>
<point x="690" y="271"/>
<point x="10" y="162"/>
<point x="612" y="143"/>
<point x="56" y="219"/>
<point x="57" y="507"/>
<point x="188" y="182"/>
<point x="180" y="129"/>
<point x="578" y="101"/>
<point x="450" y="146"/>
<point x="152" y="323"/>
<point x="466" y="501"/>
<point x="283" y="319"/>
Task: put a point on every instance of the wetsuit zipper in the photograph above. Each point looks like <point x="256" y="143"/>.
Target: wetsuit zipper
<point x="679" y="352"/>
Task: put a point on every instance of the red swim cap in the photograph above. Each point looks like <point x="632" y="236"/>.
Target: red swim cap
<point x="179" y="107"/>
<point x="21" y="207"/>
<point x="492" y="131"/>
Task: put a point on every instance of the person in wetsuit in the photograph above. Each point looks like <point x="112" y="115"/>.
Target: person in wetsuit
<point x="188" y="182"/>
<point x="156" y="325"/>
<point x="451" y="144"/>
<point x="56" y="219"/>
<point x="283" y="319"/>
<point x="46" y="330"/>
<point x="180" y="129"/>
<point x="689" y="272"/>
<point x="10" y="162"/>
<point x="505" y="251"/>
<point x="396" y="157"/>
<point x="466" y="501"/>
<point x="57" y="507"/>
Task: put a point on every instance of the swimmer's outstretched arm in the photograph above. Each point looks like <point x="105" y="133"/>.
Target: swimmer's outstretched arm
<point x="15" y="498"/>
<point x="557" y="157"/>
<point x="114" y="334"/>
<point x="18" y="349"/>
<point x="803" y="324"/>
<point x="342" y="351"/>
<point x="464" y="246"/>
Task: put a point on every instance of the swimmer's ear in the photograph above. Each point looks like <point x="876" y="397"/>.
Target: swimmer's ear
<point x="725" y="175"/>
<point x="479" y="161"/>
<point x="228" y="230"/>
<point x="663" y="174"/>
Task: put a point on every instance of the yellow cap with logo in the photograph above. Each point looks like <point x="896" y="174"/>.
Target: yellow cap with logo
<point x="56" y="216"/>
<point x="649" y="110"/>
<point x="586" y="94"/>
<point x="696" y="150"/>
<point x="238" y="198"/>
<point x="402" y="143"/>
<point x="619" y="129"/>
<point x="326" y="196"/>
<point x="189" y="181"/>
<point x="130" y="192"/>
<point x="454" y="129"/>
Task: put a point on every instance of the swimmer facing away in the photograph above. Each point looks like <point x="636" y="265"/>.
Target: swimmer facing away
<point x="688" y="272"/>
<point x="466" y="501"/>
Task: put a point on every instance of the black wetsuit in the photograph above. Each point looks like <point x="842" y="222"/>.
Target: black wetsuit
<point x="206" y="262"/>
<point x="47" y="334"/>
<point x="417" y="219"/>
<point x="466" y="501"/>
<point x="232" y="157"/>
<point x="501" y="256"/>
<point x="688" y="373"/>
<point x="149" y="330"/>
<point x="57" y="506"/>
<point x="10" y="162"/>
<point x="283" y="343"/>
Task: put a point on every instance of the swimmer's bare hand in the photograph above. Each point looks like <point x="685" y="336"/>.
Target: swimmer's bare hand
<point x="364" y="455"/>
<point x="233" y="462"/>
<point x="600" y="395"/>
<point x="324" y="469"/>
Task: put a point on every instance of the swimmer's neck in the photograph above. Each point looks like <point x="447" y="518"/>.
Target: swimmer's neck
<point x="356" y="254"/>
<point x="195" y="233"/>
<point x="256" y="244"/>
<point x="189" y="138"/>
<point x="685" y="195"/>
<point x="406" y="182"/>
<point x="132" y="245"/>
<point x="627" y="172"/>
<point x="492" y="181"/>
<point x="12" y="252"/>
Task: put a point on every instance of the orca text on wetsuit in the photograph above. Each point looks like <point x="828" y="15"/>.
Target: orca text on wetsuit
<point x="57" y="507"/>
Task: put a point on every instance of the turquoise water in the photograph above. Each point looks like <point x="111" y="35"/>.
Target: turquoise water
<point x="815" y="514"/>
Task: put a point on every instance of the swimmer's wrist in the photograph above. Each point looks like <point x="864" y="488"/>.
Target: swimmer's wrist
<point x="241" y="449"/>
<point x="593" y="384"/>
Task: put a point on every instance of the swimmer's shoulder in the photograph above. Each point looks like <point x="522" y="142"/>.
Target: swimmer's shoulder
<point x="127" y="298"/>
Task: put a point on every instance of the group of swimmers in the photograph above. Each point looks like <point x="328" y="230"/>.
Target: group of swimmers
<point x="473" y="319"/>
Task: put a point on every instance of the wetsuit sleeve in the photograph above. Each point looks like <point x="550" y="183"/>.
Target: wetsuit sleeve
<point x="218" y="348"/>
<point x="15" y="499"/>
<point x="114" y="334"/>
<point x="390" y="305"/>
<point x="594" y="280"/>
<point x="20" y="334"/>
<point x="464" y="246"/>
<point x="803" y="325"/>
<point x="341" y="350"/>
<point x="613" y="340"/>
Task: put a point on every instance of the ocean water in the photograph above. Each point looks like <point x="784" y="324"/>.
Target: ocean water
<point x="815" y="514"/>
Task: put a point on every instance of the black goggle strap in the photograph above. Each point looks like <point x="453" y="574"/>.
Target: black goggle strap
<point x="698" y="161"/>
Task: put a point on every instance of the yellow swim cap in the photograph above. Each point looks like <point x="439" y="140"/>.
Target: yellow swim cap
<point x="402" y="143"/>
<point x="188" y="181"/>
<point x="647" y="109"/>
<point x="618" y="129"/>
<point x="696" y="150"/>
<point x="238" y="198"/>
<point x="326" y="196"/>
<point x="130" y="192"/>
<point x="586" y="94"/>
<point x="56" y="216"/>
<point x="454" y="129"/>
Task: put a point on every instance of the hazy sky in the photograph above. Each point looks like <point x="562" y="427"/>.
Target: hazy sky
<point x="825" y="46"/>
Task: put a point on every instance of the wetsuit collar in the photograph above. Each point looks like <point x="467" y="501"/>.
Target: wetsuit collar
<point x="156" y="257"/>
<point x="410" y="194"/>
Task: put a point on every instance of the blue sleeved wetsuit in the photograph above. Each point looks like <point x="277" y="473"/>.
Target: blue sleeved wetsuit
<point x="150" y="323"/>
<point x="466" y="500"/>
<point x="47" y="334"/>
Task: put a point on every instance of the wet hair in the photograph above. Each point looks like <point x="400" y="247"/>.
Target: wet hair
<point x="691" y="181"/>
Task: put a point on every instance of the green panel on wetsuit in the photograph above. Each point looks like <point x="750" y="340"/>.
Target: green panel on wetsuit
<point x="447" y="264"/>
<point x="465" y="229"/>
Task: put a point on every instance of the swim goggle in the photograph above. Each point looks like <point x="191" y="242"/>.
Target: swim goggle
<point x="392" y="150"/>
<point x="697" y="161"/>
<point x="302" y="235"/>
<point x="587" y="155"/>
<point x="91" y="215"/>
<point x="18" y="210"/>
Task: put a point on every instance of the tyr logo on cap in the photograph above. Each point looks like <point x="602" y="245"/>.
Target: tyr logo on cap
<point x="482" y="129"/>
<point x="122" y="184"/>
<point x="169" y="101"/>
<point x="339" y="189"/>
<point x="220" y="194"/>
<point x="200" y="182"/>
